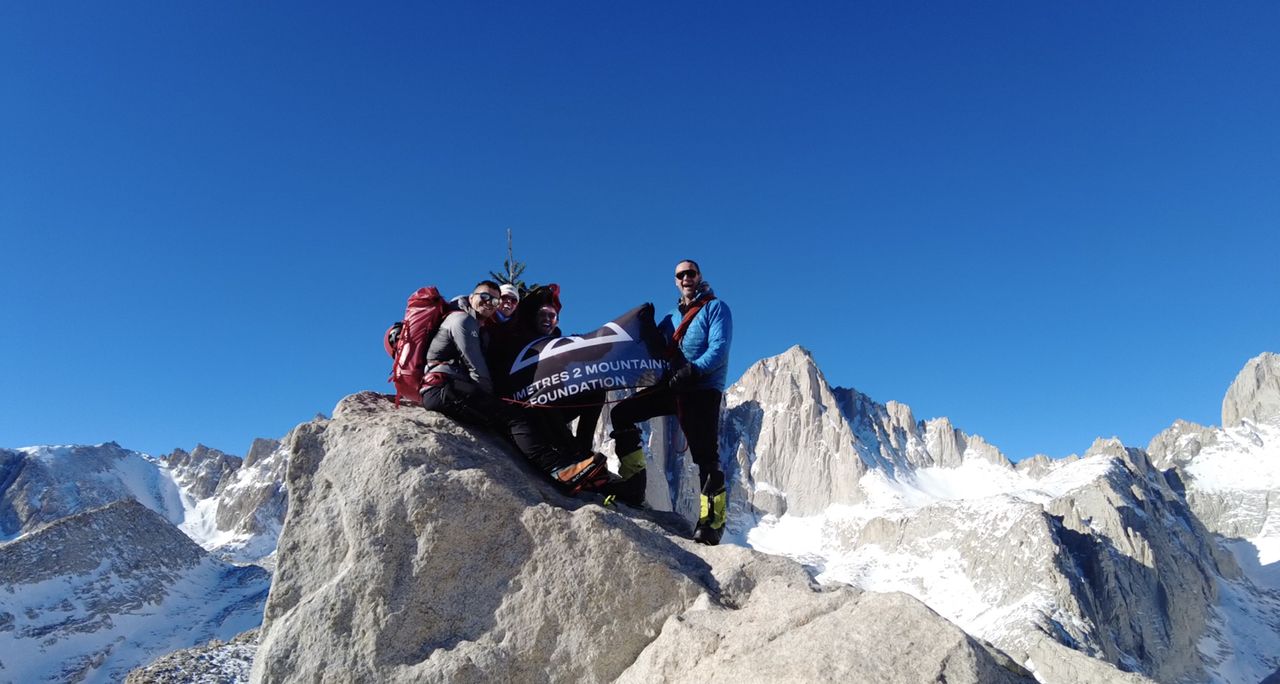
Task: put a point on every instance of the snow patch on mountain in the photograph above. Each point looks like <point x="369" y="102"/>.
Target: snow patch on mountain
<point x="1244" y="458"/>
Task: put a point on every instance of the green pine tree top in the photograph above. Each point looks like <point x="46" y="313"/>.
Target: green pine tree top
<point x="512" y="271"/>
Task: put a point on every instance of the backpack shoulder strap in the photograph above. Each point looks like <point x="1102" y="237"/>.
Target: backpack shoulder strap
<point x="678" y="336"/>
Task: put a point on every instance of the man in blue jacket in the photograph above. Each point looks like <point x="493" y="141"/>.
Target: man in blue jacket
<point x="698" y="332"/>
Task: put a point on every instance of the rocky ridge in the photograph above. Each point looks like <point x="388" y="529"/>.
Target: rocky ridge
<point x="200" y="472"/>
<point x="215" y="662"/>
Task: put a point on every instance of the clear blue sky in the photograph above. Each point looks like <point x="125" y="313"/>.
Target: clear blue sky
<point x="1048" y="221"/>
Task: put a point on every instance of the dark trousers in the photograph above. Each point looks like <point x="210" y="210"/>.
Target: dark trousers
<point x="587" y="412"/>
<point x="698" y="412"/>
<point x="542" y="442"/>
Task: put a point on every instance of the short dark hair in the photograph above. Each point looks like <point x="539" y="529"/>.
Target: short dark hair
<point x="487" y="283"/>
<point x="690" y="261"/>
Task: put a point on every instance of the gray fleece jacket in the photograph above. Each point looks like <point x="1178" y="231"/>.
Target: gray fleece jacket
<point x="457" y="348"/>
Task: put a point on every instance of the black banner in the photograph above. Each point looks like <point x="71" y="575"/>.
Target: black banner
<point x="626" y="352"/>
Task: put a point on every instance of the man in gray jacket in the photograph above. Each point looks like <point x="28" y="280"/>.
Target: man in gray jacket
<point x="458" y="384"/>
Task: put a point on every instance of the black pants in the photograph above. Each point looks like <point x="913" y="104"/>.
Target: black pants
<point x="533" y="434"/>
<point x="587" y="412"/>
<point x="698" y="412"/>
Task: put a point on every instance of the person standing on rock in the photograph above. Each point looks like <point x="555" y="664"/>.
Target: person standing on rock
<point x="457" y="383"/>
<point x="698" y="330"/>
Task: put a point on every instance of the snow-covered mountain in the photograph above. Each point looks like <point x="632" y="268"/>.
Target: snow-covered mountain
<point x="110" y="557"/>
<point x="91" y="596"/>
<point x="1103" y="554"/>
<point x="39" y="485"/>
<point x="233" y="507"/>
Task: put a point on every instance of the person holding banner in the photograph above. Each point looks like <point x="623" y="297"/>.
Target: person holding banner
<point x="698" y="332"/>
<point x="538" y="317"/>
<point x="458" y="384"/>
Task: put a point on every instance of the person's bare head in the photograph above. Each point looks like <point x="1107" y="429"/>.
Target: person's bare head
<point x="688" y="279"/>
<point x="546" y="319"/>
<point x="485" y="298"/>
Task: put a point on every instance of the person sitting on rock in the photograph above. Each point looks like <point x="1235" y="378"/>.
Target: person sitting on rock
<point x="457" y="383"/>
<point x="510" y="298"/>
<point x="536" y="317"/>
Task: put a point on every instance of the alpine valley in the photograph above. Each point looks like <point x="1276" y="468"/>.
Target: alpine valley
<point x="863" y="545"/>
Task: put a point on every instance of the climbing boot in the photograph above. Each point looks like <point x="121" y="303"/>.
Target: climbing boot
<point x="589" y="474"/>
<point x="632" y="463"/>
<point x="631" y="468"/>
<point x="711" y="519"/>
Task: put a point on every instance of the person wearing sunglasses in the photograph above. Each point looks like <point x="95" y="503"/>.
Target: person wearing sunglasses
<point x="510" y="299"/>
<point x="458" y="384"/>
<point x="698" y="332"/>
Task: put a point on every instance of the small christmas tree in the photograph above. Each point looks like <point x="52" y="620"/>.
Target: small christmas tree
<point x="511" y="272"/>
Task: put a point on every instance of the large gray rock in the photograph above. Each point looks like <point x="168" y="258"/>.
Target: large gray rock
<point x="1255" y="394"/>
<point x="418" y="550"/>
<point x="787" y="633"/>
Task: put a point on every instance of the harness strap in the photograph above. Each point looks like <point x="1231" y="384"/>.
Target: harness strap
<point x="678" y="336"/>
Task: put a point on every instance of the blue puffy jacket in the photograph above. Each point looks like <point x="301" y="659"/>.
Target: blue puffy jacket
<point x="706" y="342"/>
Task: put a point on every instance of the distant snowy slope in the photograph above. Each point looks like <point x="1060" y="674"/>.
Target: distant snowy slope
<point x="42" y="484"/>
<point x="91" y="596"/>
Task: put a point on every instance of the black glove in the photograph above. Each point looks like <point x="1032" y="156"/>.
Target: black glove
<point x="683" y="377"/>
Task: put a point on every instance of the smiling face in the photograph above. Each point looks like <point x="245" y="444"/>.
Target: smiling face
<point x="688" y="279"/>
<point x="546" y="320"/>
<point x="484" y="299"/>
<point x="508" y="305"/>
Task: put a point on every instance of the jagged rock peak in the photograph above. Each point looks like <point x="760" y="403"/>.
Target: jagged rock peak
<point x="1255" y="393"/>
<point x="795" y="361"/>
<point x="796" y="352"/>
<point x="261" y="448"/>
<point x="202" y="470"/>
<point x="1177" y="444"/>
<point x="786" y="427"/>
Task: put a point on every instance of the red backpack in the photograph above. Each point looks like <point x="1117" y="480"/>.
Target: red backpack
<point x="407" y="341"/>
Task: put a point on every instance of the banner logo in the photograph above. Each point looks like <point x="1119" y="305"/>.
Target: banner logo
<point x="611" y="333"/>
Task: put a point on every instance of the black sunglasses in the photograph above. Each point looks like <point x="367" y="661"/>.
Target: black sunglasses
<point x="485" y="297"/>
<point x="689" y="273"/>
